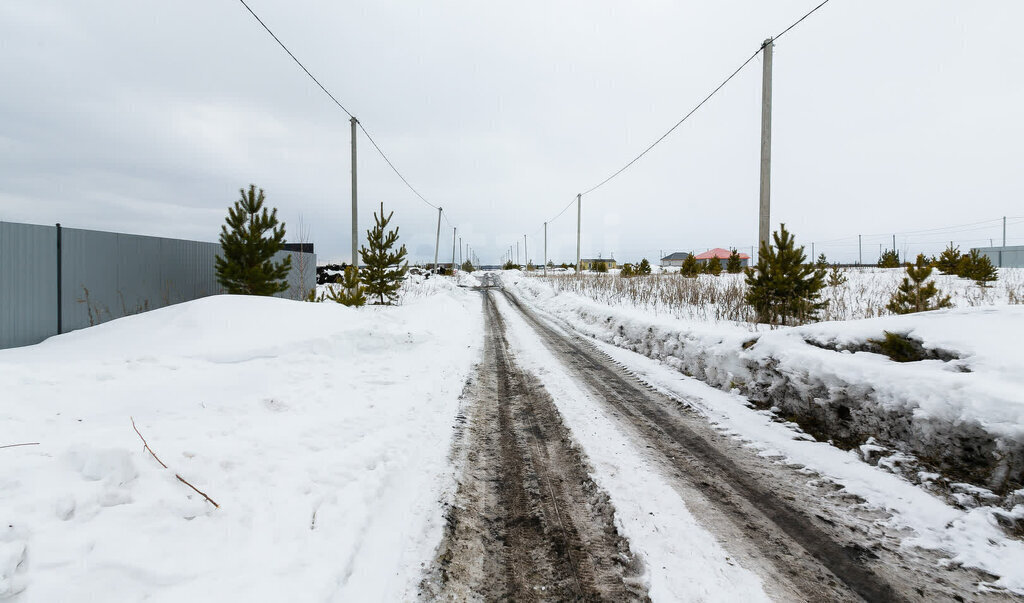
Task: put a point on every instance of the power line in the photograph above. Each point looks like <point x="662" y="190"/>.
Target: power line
<point x="562" y="212"/>
<point x="798" y="21"/>
<point x="673" y="128"/>
<point x="701" y="103"/>
<point x="297" y="61"/>
<point x="379" y="150"/>
<point x="337" y="102"/>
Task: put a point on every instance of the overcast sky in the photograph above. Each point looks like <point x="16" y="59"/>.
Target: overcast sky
<point x="147" y="117"/>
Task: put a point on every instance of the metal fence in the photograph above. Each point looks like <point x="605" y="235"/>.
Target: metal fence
<point x="1005" y="257"/>
<point x="54" y="280"/>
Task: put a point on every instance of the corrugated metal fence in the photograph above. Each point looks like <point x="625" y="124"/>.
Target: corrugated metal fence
<point x="101" y="276"/>
<point x="1005" y="257"/>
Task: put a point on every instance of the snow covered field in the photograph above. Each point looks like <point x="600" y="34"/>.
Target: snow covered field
<point x="720" y="298"/>
<point x="322" y="432"/>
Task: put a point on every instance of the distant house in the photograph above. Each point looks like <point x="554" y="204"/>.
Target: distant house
<point x="722" y="255"/>
<point x="588" y="264"/>
<point x="677" y="258"/>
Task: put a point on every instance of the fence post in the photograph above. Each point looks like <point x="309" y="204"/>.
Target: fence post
<point x="60" y="318"/>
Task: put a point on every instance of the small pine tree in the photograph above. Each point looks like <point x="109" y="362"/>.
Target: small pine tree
<point x="735" y="263"/>
<point x="979" y="268"/>
<point x="821" y="262"/>
<point x="644" y="267"/>
<point x="913" y="295"/>
<point x="781" y="287"/>
<point x="949" y="260"/>
<point x="690" y="268"/>
<point x="509" y="265"/>
<point x="627" y="270"/>
<point x="890" y="258"/>
<point x="384" y="271"/>
<point x="351" y="292"/>
<point x="467" y="266"/>
<point x="836" y="277"/>
<point x="248" y="248"/>
<point x="713" y="267"/>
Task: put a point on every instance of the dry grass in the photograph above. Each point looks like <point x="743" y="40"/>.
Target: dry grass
<point x="714" y="299"/>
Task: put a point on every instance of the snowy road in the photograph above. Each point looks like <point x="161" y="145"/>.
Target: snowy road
<point x="528" y="521"/>
<point x="705" y="517"/>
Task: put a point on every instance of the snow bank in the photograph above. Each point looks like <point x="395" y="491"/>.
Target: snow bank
<point x="319" y="429"/>
<point x="971" y="537"/>
<point x="963" y="416"/>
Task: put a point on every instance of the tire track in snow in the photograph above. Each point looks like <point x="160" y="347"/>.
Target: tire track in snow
<point x="528" y="523"/>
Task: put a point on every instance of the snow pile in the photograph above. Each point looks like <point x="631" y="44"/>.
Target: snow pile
<point x="319" y="430"/>
<point x="964" y="416"/>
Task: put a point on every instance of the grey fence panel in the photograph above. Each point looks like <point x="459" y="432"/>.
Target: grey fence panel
<point x="28" y="283"/>
<point x="1011" y="256"/>
<point x="109" y="275"/>
<point x="106" y="275"/>
<point x="302" y="277"/>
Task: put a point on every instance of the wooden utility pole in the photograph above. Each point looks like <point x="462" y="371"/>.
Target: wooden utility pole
<point x="355" y="212"/>
<point x="764" y="216"/>
<point x="579" y="216"/>
<point x="437" y="240"/>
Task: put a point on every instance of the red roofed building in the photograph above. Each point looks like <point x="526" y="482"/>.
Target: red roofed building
<point x="722" y="255"/>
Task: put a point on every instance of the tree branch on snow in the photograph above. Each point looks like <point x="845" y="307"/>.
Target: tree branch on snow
<point x="164" y="465"/>
<point x="15" y="445"/>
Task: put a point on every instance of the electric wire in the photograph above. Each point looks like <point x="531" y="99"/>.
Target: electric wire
<point x="673" y="128"/>
<point x="381" y="151"/>
<point x="562" y="212"/>
<point x="336" y="102"/>
<point x="798" y="21"/>
<point x="706" y="99"/>
<point x="297" y="61"/>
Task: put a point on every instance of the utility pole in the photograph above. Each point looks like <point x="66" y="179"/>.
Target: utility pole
<point x="517" y="254"/>
<point x="894" y="244"/>
<point x="526" y="254"/>
<point x="814" y="258"/>
<point x="437" y="240"/>
<point x="1004" y="243"/>
<point x="355" y="212"/>
<point x="860" y="249"/>
<point x="454" y="231"/>
<point x="579" y="217"/>
<point x="460" y="251"/>
<point x="764" y="218"/>
<point x="545" y="249"/>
